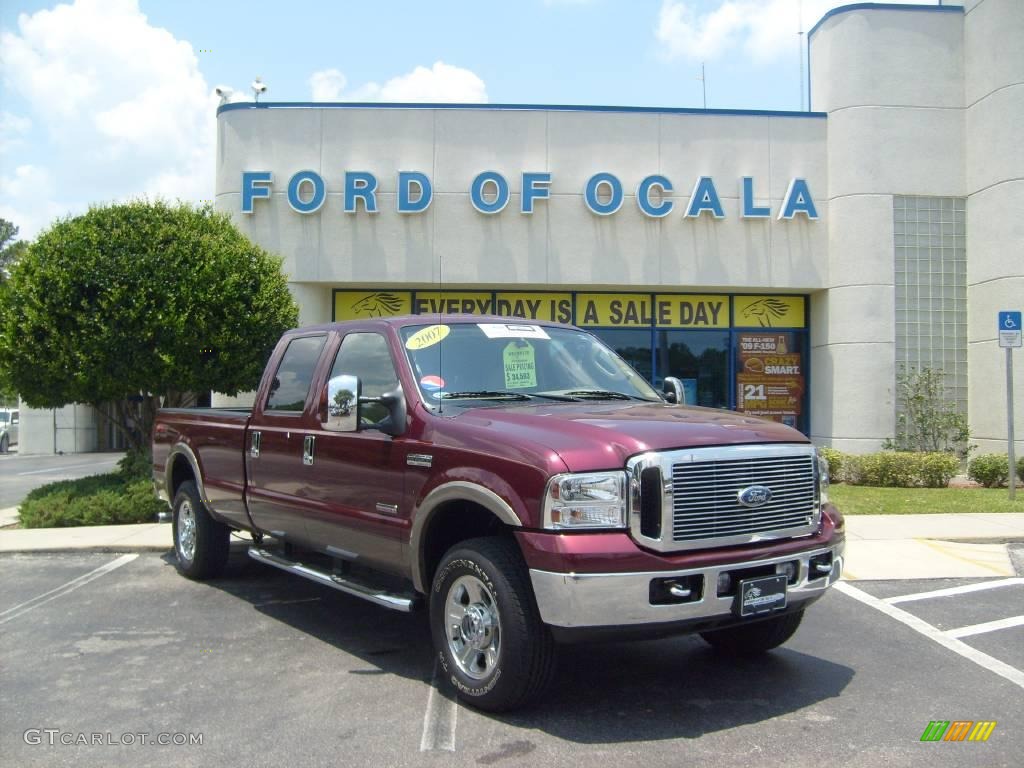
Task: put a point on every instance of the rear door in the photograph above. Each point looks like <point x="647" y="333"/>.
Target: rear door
<point x="277" y="480"/>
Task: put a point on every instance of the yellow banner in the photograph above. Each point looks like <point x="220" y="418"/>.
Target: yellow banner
<point x="556" y="307"/>
<point x="359" y="305"/>
<point x="682" y="310"/>
<point x="769" y="311"/>
<point x="617" y="310"/>
<point x="452" y="302"/>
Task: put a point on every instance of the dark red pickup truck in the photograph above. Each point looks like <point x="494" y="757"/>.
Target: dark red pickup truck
<point x="515" y="478"/>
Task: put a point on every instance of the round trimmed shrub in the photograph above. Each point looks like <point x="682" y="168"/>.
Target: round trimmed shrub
<point x="937" y="469"/>
<point x="989" y="469"/>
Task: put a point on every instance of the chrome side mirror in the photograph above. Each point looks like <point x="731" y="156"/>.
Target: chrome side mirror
<point x="342" y="404"/>
<point x="673" y="389"/>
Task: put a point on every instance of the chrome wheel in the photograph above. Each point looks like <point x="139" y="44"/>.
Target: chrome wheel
<point x="474" y="628"/>
<point x="186" y="531"/>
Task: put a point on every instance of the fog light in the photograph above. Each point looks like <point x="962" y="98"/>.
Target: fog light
<point x="724" y="583"/>
<point x="788" y="570"/>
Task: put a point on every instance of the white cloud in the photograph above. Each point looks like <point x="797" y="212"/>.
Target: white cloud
<point x="760" y="29"/>
<point x="33" y="190"/>
<point x="327" y="85"/>
<point x="440" y="83"/>
<point x="123" y="105"/>
<point x="12" y="130"/>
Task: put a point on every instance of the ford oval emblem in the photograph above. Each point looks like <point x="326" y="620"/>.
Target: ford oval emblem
<point x="754" y="495"/>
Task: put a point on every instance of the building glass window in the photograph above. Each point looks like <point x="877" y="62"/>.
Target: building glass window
<point x="930" y="238"/>
<point x="633" y="345"/>
<point x="700" y="359"/>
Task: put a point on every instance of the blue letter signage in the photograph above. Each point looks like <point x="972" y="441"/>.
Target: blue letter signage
<point x="489" y="193"/>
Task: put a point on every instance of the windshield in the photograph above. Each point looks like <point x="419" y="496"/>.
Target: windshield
<point x="466" y="363"/>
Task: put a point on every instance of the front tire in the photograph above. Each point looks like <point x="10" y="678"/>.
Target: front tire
<point x="490" y="642"/>
<point x="756" y="638"/>
<point x="200" y="542"/>
<point x="4" y="444"/>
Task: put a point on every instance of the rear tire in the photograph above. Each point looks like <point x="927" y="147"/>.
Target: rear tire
<point x="4" y="444"/>
<point x="756" y="638"/>
<point x="200" y="542"/>
<point x="490" y="642"/>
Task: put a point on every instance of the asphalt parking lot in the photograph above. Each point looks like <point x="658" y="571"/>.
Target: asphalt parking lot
<point x="271" y="670"/>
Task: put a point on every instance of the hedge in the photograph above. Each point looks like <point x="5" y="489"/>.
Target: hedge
<point x="125" y="496"/>
<point x="899" y="469"/>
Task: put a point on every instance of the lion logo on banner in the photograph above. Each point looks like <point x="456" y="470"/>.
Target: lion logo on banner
<point x="378" y="305"/>
<point x="765" y="311"/>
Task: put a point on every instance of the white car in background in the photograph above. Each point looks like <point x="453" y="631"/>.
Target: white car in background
<point x="8" y="430"/>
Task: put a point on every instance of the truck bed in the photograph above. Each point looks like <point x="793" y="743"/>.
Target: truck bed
<point x="216" y="439"/>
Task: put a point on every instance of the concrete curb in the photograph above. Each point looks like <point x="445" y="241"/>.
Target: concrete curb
<point x="877" y="546"/>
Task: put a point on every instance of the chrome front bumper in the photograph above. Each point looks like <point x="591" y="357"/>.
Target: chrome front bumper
<point x="623" y="599"/>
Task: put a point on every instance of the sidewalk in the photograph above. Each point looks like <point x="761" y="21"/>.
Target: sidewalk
<point x="877" y="547"/>
<point x="931" y="546"/>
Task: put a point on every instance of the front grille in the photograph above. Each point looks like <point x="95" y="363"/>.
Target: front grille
<point x="705" y="497"/>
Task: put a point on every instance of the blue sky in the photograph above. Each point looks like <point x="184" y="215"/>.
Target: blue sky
<point x="108" y="99"/>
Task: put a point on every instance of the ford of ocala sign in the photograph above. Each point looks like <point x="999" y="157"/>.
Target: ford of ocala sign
<point x="490" y="193"/>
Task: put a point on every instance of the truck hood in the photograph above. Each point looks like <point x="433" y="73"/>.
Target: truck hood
<point x="592" y="436"/>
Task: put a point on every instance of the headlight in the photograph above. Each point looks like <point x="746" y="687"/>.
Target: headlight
<point x="592" y="500"/>
<point x="822" y="477"/>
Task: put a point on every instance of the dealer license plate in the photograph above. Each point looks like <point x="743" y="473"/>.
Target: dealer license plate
<point x="763" y="595"/>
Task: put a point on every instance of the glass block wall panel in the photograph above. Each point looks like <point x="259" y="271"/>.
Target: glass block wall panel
<point x="931" y="288"/>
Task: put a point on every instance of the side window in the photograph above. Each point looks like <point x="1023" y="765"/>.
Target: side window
<point x="295" y="374"/>
<point x="367" y="356"/>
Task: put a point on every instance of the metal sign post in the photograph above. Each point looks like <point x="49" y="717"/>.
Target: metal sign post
<point x="1009" y="337"/>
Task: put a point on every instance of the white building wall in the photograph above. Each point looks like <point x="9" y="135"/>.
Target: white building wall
<point x="71" y="429"/>
<point x="891" y="82"/>
<point x="994" y="96"/>
<point x="562" y="243"/>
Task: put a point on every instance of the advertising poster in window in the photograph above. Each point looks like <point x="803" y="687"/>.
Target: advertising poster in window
<point x="769" y="376"/>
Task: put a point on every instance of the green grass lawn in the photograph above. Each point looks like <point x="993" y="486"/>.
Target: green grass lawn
<point x="864" y="500"/>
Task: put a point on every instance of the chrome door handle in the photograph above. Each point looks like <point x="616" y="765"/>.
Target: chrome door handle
<point x="307" y="449"/>
<point x="254" y="449"/>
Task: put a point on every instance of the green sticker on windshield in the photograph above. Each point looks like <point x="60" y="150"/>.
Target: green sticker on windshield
<point x="520" y="365"/>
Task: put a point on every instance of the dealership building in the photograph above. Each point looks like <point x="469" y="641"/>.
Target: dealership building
<point x="785" y="264"/>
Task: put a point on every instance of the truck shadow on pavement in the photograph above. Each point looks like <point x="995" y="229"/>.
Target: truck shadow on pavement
<point x="603" y="693"/>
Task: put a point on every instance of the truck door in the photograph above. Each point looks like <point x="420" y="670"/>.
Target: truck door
<point x="276" y="480"/>
<point x="355" y="481"/>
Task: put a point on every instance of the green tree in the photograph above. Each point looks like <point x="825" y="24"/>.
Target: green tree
<point x="138" y="305"/>
<point x="10" y="249"/>
<point x="925" y="420"/>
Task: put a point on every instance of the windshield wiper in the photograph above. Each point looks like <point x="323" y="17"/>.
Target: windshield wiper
<point x="484" y="394"/>
<point x="601" y="394"/>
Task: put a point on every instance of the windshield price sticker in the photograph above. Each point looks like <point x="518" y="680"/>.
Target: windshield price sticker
<point x="512" y="331"/>
<point x="520" y="366"/>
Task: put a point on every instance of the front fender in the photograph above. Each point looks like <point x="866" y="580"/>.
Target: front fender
<point x="456" y="490"/>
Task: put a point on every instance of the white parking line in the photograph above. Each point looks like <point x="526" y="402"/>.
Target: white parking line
<point x="955" y="590"/>
<point x="1000" y="668"/>
<point x="439" y="720"/>
<point x="63" y="589"/>
<point x="69" y="466"/>
<point x="988" y="626"/>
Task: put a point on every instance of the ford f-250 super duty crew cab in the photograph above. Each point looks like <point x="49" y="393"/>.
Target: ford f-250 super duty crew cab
<point x="518" y="480"/>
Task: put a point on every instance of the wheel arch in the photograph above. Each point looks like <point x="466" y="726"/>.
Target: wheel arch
<point x="450" y="513"/>
<point x="182" y="466"/>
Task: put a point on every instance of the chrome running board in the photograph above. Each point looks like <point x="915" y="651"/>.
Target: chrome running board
<point x="342" y="584"/>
